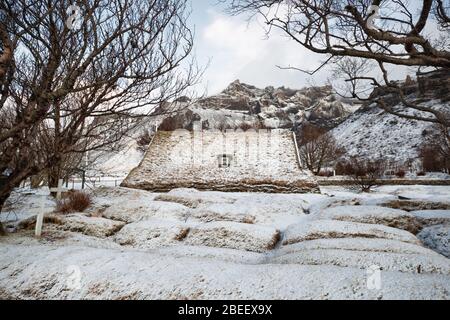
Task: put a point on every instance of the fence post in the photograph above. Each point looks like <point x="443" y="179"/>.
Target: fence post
<point x="83" y="180"/>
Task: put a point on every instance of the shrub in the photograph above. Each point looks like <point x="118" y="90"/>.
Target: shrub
<point x="400" y="173"/>
<point x="344" y="168"/>
<point x="76" y="201"/>
<point x="223" y="125"/>
<point x="326" y="173"/>
<point x="245" y="126"/>
<point x="168" y="124"/>
<point x="260" y="125"/>
<point x="143" y="141"/>
<point x="366" y="173"/>
<point x="317" y="148"/>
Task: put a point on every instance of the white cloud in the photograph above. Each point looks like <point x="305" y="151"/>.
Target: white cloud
<point x="242" y="41"/>
<point x="241" y="50"/>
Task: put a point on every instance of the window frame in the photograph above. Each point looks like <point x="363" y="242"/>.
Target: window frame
<point x="224" y="161"/>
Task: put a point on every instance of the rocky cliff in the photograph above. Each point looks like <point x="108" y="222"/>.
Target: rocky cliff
<point x="243" y="106"/>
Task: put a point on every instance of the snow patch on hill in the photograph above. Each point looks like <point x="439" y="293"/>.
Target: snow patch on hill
<point x="373" y="133"/>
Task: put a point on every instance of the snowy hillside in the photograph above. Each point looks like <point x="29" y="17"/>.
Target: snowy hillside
<point x="372" y="133"/>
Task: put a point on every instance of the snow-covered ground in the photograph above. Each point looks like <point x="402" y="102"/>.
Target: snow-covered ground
<point x="187" y="244"/>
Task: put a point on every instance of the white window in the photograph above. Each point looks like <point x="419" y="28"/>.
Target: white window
<point x="224" y="161"/>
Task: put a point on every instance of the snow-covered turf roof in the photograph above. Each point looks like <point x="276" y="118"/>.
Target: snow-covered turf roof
<point x="263" y="161"/>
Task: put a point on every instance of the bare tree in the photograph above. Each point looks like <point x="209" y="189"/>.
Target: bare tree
<point x="84" y="86"/>
<point x="351" y="69"/>
<point x="348" y="28"/>
<point x="365" y="173"/>
<point x="317" y="148"/>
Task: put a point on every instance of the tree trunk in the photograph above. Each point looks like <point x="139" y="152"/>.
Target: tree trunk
<point x="9" y="183"/>
<point x="3" y="199"/>
<point x="36" y="181"/>
<point x="53" y="178"/>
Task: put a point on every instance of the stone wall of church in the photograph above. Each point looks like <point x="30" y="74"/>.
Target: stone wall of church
<point x="262" y="161"/>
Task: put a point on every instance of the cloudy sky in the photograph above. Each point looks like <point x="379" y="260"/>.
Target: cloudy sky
<point x="237" y="49"/>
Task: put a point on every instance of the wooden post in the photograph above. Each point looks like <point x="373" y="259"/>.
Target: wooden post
<point x="83" y="180"/>
<point x="59" y="190"/>
<point x="40" y="217"/>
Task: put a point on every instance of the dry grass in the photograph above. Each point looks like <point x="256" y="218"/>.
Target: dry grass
<point x="182" y="235"/>
<point x="76" y="201"/>
<point x="400" y="174"/>
<point x="30" y="223"/>
<point x="412" y="205"/>
<point x="191" y="203"/>
<point x="275" y="239"/>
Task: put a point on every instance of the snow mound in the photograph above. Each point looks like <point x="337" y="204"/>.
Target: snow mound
<point x="211" y="253"/>
<point x="415" y="263"/>
<point x="437" y="238"/>
<point x="204" y="196"/>
<point x="119" y="274"/>
<point x="53" y="235"/>
<point x="91" y="226"/>
<point x="210" y="216"/>
<point x="110" y="195"/>
<point x="356" y="244"/>
<point x="375" y="215"/>
<point x="326" y="229"/>
<point x="185" y="201"/>
<point x="151" y="234"/>
<point x="276" y="211"/>
<point x="132" y="211"/>
<point x="234" y="236"/>
<point x="432" y="217"/>
<point x="171" y="251"/>
<point x="418" y="205"/>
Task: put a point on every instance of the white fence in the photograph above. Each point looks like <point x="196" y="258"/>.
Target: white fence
<point x="76" y="183"/>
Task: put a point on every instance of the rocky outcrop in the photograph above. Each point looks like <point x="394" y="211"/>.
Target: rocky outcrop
<point x="242" y="105"/>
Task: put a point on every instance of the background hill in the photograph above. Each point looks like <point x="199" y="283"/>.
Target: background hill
<point x="363" y="130"/>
